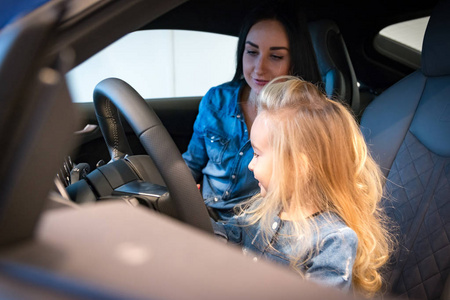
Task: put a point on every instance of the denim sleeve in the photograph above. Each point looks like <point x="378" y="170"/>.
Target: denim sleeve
<point x="231" y="230"/>
<point x="333" y="265"/>
<point x="196" y="156"/>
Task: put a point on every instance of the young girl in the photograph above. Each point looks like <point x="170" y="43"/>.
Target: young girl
<point x="317" y="210"/>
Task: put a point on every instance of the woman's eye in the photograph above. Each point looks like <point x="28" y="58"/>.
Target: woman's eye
<point x="277" y="57"/>
<point x="251" y="52"/>
<point x="255" y="155"/>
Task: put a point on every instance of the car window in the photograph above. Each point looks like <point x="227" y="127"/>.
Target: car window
<point x="159" y="64"/>
<point x="403" y="41"/>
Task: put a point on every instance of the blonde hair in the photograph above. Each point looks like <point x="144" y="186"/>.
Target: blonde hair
<point x="321" y="160"/>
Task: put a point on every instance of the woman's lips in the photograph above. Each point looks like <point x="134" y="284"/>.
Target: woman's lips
<point x="260" y="82"/>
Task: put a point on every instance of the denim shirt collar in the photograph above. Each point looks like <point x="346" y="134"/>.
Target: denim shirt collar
<point x="234" y="109"/>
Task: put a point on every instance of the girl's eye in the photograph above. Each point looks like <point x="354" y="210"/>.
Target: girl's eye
<point x="251" y="52"/>
<point x="277" y="57"/>
<point x="255" y="155"/>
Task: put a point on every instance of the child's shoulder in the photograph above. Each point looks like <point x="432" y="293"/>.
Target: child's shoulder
<point x="331" y="225"/>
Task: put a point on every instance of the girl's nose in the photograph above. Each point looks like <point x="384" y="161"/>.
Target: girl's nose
<point x="251" y="165"/>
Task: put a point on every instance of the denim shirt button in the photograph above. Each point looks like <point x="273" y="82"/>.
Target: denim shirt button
<point x="274" y="225"/>
<point x="241" y="153"/>
<point x="226" y="193"/>
<point x="238" y="116"/>
<point x="233" y="176"/>
<point x="216" y="199"/>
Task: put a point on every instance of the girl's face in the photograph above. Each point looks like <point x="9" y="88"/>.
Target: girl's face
<point x="261" y="164"/>
<point x="266" y="54"/>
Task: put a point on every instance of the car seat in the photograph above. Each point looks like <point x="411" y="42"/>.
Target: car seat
<point x="407" y="128"/>
<point x="334" y="63"/>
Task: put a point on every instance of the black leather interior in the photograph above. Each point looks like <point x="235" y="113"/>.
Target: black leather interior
<point x="334" y="62"/>
<point x="112" y="128"/>
<point x="408" y="130"/>
<point x="159" y="146"/>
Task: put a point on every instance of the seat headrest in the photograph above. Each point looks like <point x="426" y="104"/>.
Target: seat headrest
<point x="334" y="62"/>
<point x="436" y="43"/>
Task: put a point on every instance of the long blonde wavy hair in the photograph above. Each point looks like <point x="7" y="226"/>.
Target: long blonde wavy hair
<point x="321" y="160"/>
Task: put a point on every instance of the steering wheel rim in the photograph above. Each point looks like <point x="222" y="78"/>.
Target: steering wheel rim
<point x="113" y="94"/>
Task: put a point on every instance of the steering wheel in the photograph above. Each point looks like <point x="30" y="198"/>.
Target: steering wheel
<point x="113" y="94"/>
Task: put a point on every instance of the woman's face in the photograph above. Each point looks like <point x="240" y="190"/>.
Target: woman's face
<point x="266" y="54"/>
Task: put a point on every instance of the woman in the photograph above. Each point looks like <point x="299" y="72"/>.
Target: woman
<point x="273" y="41"/>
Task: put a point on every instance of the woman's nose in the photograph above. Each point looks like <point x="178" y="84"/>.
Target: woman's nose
<point x="260" y="65"/>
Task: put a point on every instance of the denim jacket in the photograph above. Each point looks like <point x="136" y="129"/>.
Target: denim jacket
<point x="331" y="263"/>
<point x="219" y="151"/>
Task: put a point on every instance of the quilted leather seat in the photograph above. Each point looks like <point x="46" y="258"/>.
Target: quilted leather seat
<point x="408" y="130"/>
